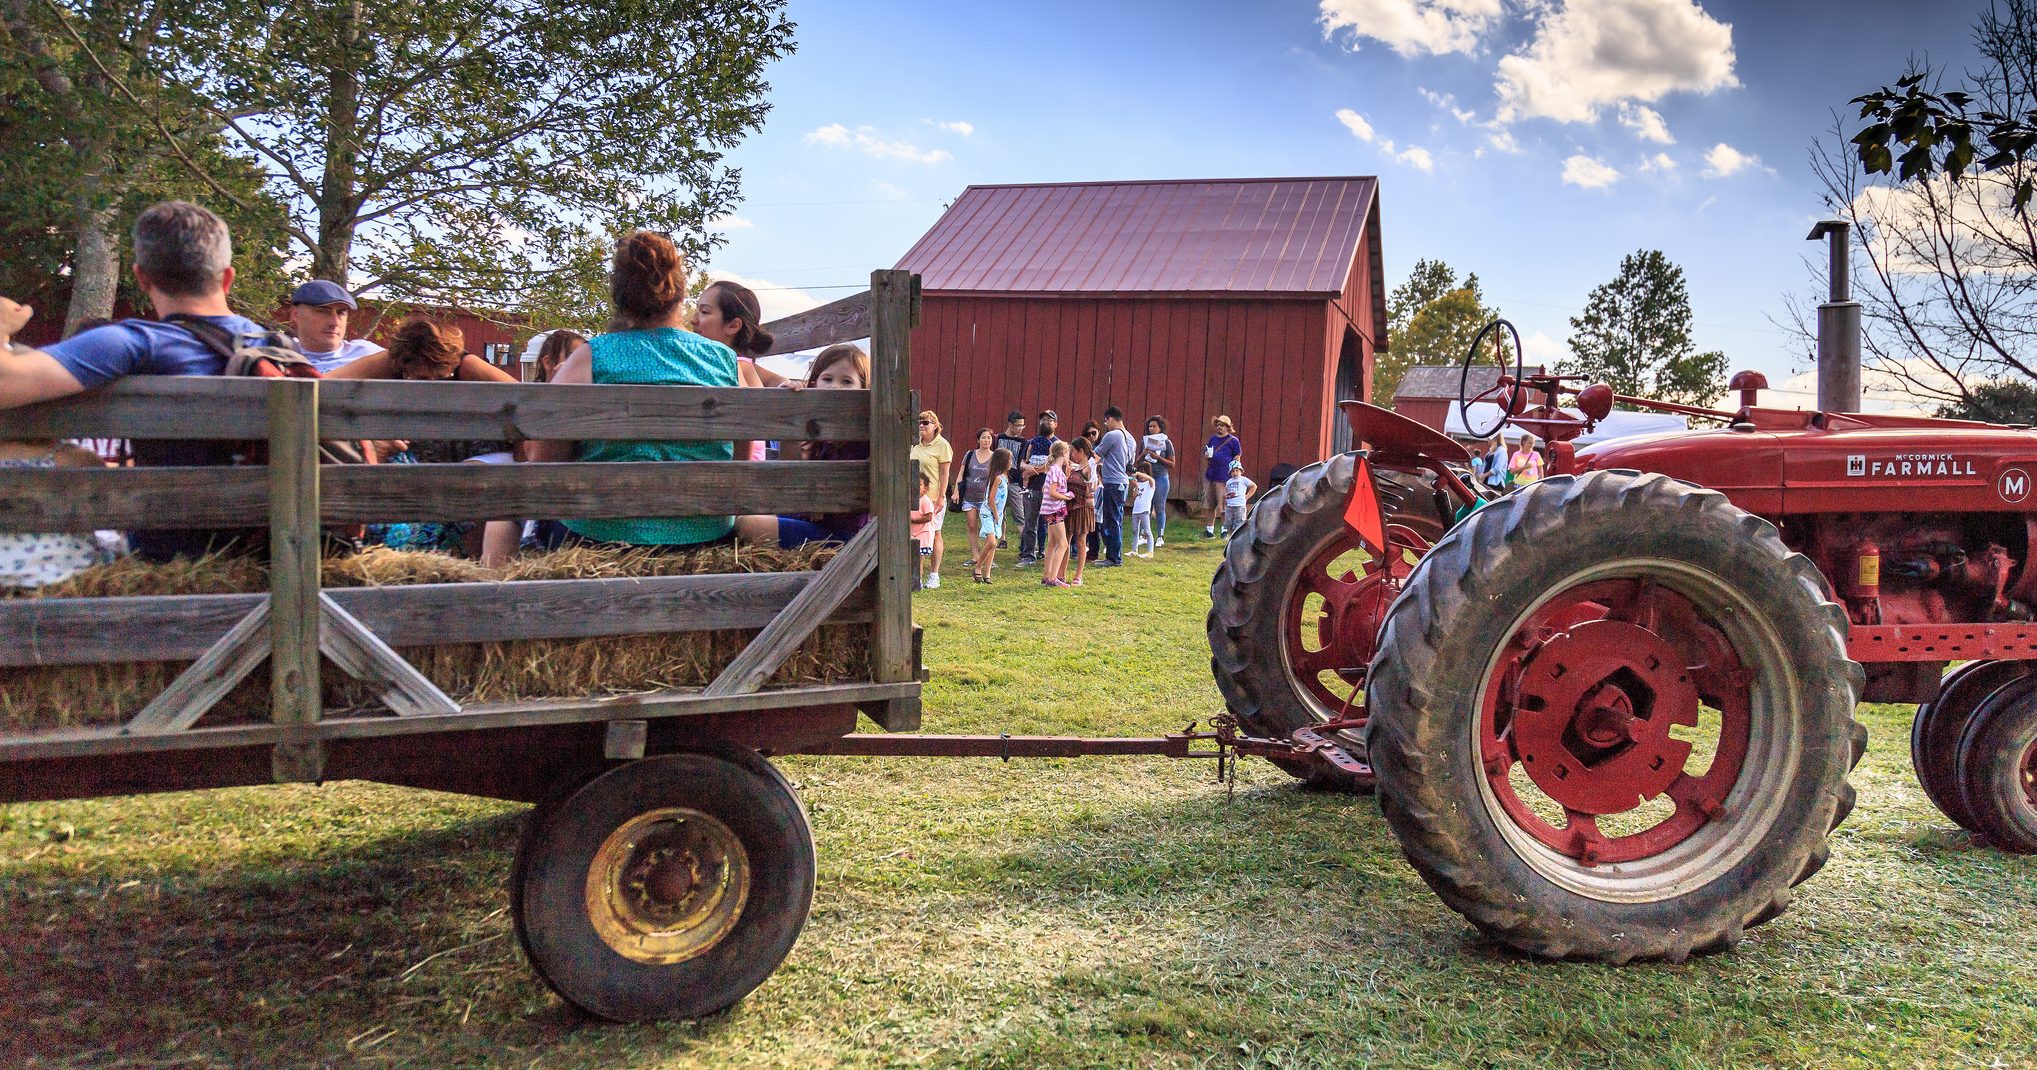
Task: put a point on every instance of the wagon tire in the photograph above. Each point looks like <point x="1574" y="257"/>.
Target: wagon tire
<point x="1998" y="770"/>
<point x="665" y="888"/>
<point x="1250" y="599"/>
<point x="1472" y="600"/>
<point x="1942" y="722"/>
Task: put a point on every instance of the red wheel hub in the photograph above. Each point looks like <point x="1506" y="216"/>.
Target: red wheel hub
<point x="1583" y="702"/>
<point x="1351" y="604"/>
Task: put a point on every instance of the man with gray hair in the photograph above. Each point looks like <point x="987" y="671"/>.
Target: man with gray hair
<point x="183" y="261"/>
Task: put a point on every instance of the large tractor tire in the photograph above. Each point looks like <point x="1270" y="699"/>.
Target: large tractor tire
<point x="665" y="888"/>
<point x="1282" y="658"/>
<point x="1997" y="769"/>
<point x="1612" y="718"/>
<point x="1941" y="722"/>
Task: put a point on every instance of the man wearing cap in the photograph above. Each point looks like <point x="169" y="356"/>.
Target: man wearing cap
<point x="318" y="316"/>
<point x="1033" y="473"/>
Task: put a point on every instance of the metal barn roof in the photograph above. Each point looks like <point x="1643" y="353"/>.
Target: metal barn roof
<point x="1257" y="236"/>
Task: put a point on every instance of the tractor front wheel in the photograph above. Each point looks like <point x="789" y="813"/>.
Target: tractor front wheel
<point x="1295" y="607"/>
<point x="1612" y="718"/>
<point x="1941" y="722"/>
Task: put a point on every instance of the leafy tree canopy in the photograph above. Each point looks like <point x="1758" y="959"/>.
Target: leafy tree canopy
<point x="1432" y="318"/>
<point x="1634" y="335"/>
<point x="2007" y="401"/>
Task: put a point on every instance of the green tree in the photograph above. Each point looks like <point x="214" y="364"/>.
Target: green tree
<point x="1431" y="319"/>
<point x="468" y="151"/>
<point x="2005" y="401"/>
<point x="1634" y="335"/>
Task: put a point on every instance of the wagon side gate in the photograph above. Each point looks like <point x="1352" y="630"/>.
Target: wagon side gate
<point x="297" y="625"/>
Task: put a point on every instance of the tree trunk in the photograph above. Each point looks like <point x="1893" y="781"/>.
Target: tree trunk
<point x="95" y="262"/>
<point x="336" y="194"/>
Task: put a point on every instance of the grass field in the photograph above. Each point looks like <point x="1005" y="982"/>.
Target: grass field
<point x="1081" y="913"/>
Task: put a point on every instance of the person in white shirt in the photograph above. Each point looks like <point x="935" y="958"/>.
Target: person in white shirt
<point x="1238" y="490"/>
<point x="1143" y="486"/>
<point x="318" y="317"/>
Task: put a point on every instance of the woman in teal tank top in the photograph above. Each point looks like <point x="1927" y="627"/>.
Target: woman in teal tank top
<point x="649" y="346"/>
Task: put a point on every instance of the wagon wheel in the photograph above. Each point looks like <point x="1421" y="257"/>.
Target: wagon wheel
<point x="666" y="888"/>
<point x="1612" y="719"/>
<point x="1935" y="734"/>
<point x="1997" y="768"/>
<point x="1295" y="608"/>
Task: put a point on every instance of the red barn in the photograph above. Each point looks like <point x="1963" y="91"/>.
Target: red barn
<point x="1262" y="299"/>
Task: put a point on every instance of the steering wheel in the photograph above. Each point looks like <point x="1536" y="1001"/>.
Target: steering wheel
<point x="1511" y="386"/>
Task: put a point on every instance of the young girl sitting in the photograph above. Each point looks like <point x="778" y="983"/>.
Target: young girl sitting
<point x="923" y="514"/>
<point x="1142" y="509"/>
<point x="1054" y="498"/>
<point x="990" y="514"/>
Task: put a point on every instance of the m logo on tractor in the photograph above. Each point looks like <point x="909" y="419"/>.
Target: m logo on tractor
<point x="2013" y="485"/>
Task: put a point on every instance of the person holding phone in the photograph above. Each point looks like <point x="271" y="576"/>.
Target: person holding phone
<point x="1223" y="448"/>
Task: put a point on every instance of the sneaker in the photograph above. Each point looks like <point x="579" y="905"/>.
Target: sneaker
<point x="1148" y="554"/>
<point x="1209" y="533"/>
<point x="1158" y="543"/>
<point x="1027" y="562"/>
<point x="1107" y="563"/>
<point x="933" y="581"/>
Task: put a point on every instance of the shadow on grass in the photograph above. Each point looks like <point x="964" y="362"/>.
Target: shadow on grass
<point x="397" y="948"/>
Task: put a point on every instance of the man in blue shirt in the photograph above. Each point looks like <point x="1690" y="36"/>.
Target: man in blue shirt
<point x="1033" y="470"/>
<point x="1114" y="456"/>
<point x="183" y="261"/>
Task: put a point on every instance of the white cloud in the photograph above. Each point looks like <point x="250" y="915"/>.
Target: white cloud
<point x="1543" y="349"/>
<point x="1355" y="123"/>
<point x="1503" y="140"/>
<point x="1588" y="173"/>
<point x="1646" y="123"/>
<point x="1723" y="160"/>
<point x="1660" y="163"/>
<point x="1588" y="54"/>
<point x="958" y="127"/>
<point x="1446" y="102"/>
<point x="1411" y="27"/>
<point x="774" y="300"/>
<point x="1415" y="157"/>
<point x="866" y="140"/>
<point x="730" y="222"/>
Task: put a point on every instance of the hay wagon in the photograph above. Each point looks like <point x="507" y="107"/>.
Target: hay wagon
<point x="668" y="867"/>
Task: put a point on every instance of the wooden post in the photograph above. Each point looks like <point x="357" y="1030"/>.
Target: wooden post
<point x="293" y="573"/>
<point x="894" y="304"/>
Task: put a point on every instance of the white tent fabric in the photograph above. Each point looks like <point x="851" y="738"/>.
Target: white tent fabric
<point x="1617" y="424"/>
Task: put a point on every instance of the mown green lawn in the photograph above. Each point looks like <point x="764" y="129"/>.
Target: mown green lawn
<point x="1096" y="912"/>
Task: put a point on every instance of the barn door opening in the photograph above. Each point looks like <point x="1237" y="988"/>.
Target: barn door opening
<point x="1350" y="382"/>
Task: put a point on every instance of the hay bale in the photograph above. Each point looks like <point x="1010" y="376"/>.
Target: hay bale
<point x="41" y="699"/>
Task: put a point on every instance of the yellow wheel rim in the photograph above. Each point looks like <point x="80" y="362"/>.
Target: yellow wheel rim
<point x="667" y="885"/>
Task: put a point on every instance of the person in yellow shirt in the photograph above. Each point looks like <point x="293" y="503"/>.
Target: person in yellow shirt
<point x="936" y="458"/>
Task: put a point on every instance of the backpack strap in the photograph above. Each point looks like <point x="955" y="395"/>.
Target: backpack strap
<point x="275" y="357"/>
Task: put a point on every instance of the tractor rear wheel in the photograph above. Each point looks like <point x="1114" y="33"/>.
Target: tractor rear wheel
<point x="665" y="888"/>
<point x="1998" y="769"/>
<point x="1612" y="718"/>
<point x="1935" y="734"/>
<point x="1295" y="607"/>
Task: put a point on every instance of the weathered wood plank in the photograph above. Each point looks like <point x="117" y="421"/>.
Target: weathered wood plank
<point x="806" y="612"/>
<point x="81" y="742"/>
<point x="846" y="320"/>
<point x="208" y="679"/>
<point x="365" y="657"/>
<point x="84" y="499"/>
<point x="503" y="491"/>
<point x="89" y="631"/>
<point x="891" y="489"/>
<point x="293" y="574"/>
<point x="368" y="409"/>
<point x="209" y="407"/>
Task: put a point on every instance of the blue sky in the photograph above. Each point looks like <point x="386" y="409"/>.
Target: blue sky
<point x="1521" y="139"/>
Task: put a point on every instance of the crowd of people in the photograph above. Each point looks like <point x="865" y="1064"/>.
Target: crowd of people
<point x="1071" y="500"/>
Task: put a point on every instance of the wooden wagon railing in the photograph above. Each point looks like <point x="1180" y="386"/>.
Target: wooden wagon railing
<point x="297" y="623"/>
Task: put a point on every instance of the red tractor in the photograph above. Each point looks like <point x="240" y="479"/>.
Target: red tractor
<point x="1610" y="713"/>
